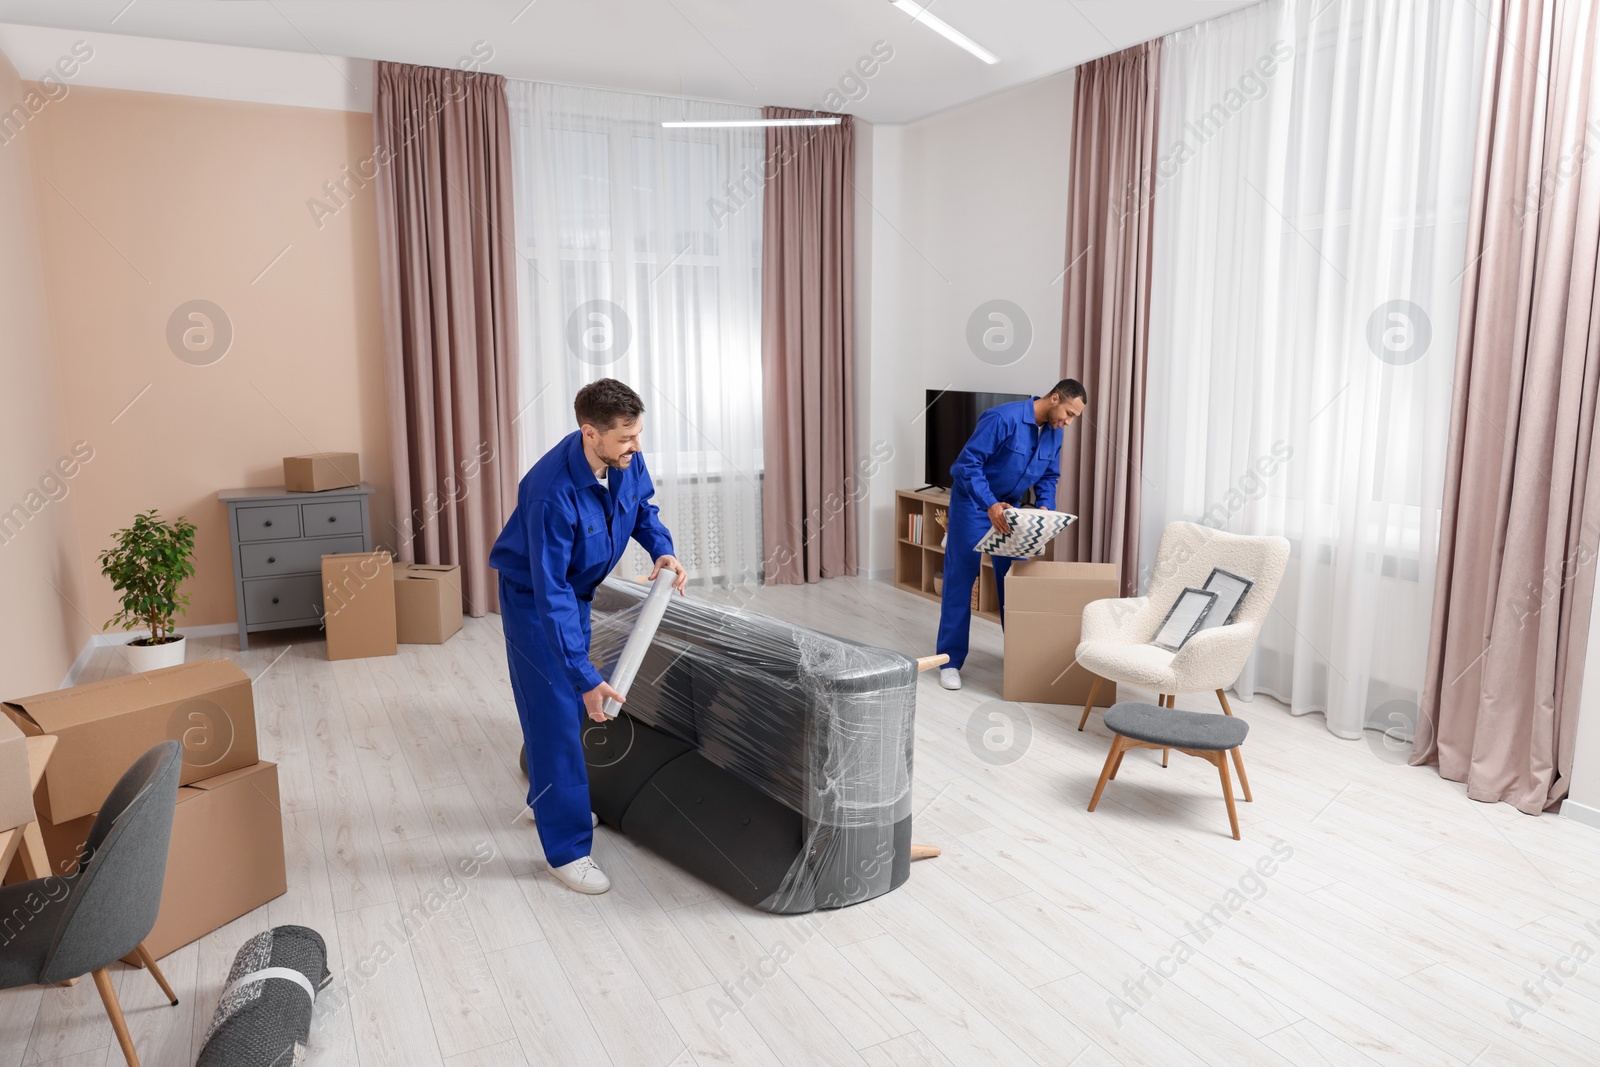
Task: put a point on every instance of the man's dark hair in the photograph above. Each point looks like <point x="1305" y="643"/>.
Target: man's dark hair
<point x="1070" y="389"/>
<point x="602" y="404"/>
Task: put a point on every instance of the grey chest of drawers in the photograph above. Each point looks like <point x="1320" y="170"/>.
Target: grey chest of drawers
<point x="279" y="539"/>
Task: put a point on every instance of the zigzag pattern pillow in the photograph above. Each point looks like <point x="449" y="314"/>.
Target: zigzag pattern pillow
<point x="1031" y="530"/>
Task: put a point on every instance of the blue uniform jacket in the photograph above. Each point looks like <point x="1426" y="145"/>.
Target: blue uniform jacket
<point x="1007" y="455"/>
<point x="564" y="537"/>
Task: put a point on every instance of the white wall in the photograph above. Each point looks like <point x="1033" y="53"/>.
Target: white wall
<point x="1583" y="799"/>
<point x="967" y="206"/>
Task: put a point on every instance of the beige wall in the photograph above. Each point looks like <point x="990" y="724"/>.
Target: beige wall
<point x="40" y="564"/>
<point x="147" y="201"/>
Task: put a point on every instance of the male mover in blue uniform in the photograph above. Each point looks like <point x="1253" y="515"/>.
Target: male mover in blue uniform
<point x="1016" y="448"/>
<point x="576" y="509"/>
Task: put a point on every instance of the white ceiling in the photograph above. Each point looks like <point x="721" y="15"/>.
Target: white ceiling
<point x="784" y="52"/>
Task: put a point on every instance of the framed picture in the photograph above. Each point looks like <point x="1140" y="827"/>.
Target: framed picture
<point x="1185" y="619"/>
<point x="1230" y="590"/>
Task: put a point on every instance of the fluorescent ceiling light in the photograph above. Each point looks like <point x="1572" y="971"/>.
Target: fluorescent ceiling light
<point x="920" y="14"/>
<point x="750" y="122"/>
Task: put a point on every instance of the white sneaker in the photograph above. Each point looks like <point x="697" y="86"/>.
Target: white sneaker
<point x="950" y="678"/>
<point x="582" y="874"/>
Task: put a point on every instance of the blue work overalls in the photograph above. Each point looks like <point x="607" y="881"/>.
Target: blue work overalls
<point x="1007" y="455"/>
<point x="568" y="531"/>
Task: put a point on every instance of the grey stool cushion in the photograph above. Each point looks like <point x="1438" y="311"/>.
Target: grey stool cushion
<point x="1172" y="728"/>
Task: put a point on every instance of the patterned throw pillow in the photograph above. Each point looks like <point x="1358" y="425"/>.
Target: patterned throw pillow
<point x="1031" y="530"/>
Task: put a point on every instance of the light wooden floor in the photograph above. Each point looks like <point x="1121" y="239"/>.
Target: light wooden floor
<point x="1399" y="923"/>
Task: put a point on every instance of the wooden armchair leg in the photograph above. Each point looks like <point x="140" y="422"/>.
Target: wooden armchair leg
<point x="149" y="962"/>
<point x="1094" y="691"/>
<point x="108" y="996"/>
<point x="1238" y="765"/>
<point x="1112" y="758"/>
<point x="1223" y="697"/>
<point x="1227" y="794"/>
<point x="1165" y="753"/>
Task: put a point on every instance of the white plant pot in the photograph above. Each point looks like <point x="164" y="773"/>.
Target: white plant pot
<point x="154" y="657"/>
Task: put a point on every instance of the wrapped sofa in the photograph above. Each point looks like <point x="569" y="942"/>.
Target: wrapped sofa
<point x="769" y="760"/>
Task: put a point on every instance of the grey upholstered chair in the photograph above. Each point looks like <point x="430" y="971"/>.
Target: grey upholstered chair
<point x="58" y="928"/>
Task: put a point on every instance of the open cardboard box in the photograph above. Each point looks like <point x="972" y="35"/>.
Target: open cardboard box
<point x="1044" y="612"/>
<point x="103" y="727"/>
<point x="427" y="603"/>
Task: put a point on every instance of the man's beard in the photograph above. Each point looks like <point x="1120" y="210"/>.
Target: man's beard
<point x="618" y="462"/>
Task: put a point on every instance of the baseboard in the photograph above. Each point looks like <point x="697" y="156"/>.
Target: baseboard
<point x="1581" y="813"/>
<point x="123" y="637"/>
<point x="80" y="664"/>
<point x="97" y="641"/>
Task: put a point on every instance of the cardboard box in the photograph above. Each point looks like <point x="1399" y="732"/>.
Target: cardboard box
<point x="225" y="858"/>
<point x="16" y="799"/>
<point x="1044" y="609"/>
<point x="358" y="604"/>
<point x="103" y="727"/>
<point x="321" y="470"/>
<point x="427" y="603"/>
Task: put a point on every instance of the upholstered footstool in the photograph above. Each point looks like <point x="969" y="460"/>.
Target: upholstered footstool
<point x="1212" y="738"/>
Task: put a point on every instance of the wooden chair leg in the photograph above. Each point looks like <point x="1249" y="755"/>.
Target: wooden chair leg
<point x="1117" y="766"/>
<point x="1113" y="757"/>
<point x="108" y="996"/>
<point x="1238" y="765"/>
<point x="1227" y="794"/>
<point x="1168" y="701"/>
<point x="1224" y="698"/>
<point x="149" y="962"/>
<point x="1094" y="691"/>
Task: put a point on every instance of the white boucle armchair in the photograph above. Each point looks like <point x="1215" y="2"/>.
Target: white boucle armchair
<point x="1115" y="636"/>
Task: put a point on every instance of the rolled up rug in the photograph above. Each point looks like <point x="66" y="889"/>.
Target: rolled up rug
<point x="264" y="1016"/>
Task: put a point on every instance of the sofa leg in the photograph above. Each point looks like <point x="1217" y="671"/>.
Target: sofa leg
<point x="1094" y="691"/>
<point x="1112" y="758"/>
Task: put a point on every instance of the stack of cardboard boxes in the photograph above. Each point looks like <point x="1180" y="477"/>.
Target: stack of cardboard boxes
<point x="371" y="603"/>
<point x="226" y="855"/>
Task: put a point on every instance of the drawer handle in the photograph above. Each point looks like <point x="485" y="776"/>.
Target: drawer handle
<point x="274" y="600"/>
<point x="272" y="559"/>
<point x="269" y="522"/>
<point x="333" y="518"/>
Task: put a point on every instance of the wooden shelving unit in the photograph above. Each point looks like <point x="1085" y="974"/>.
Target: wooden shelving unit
<point x="917" y="565"/>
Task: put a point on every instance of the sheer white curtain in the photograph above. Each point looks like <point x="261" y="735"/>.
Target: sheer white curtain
<point x="1313" y="179"/>
<point x="640" y="259"/>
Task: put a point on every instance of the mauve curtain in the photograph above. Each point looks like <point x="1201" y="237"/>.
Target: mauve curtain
<point x="1522" y="504"/>
<point x="808" y="510"/>
<point x="447" y="258"/>
<point x="1105" y="316"/>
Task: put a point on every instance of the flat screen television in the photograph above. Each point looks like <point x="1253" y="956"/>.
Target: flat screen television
<point x="951" y="417"/>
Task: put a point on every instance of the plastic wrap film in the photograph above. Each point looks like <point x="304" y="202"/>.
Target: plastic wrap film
<point x="774" y="758"/>
<point x="639" y="641"/>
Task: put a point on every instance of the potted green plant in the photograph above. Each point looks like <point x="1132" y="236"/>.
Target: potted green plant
<point x="146" y="565"/>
